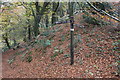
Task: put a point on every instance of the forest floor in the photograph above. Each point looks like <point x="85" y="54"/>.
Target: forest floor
<point x="94" y="56"/>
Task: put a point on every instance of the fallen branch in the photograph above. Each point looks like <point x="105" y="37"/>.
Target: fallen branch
<point x="102" y="11"/>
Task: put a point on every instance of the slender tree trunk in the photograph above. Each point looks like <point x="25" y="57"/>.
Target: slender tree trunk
<point x="119" y="16"/>
<point x="36" y="24"/>
<point x="29" y="32"/>
<point x="71" y="16"/>
<point x="6" y="40"/>
<point x="24" y="34"/>
<point x="119" y="43"/>
<point x="54" y="10"/>
<point x="5" y="37"/>
<point x="37" y="19"/>
<point x="61" y="12"/>
<point x="47" y="20"/>
<point x="14" y="42"/>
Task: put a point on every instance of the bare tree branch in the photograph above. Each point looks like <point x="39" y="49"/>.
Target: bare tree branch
<point x="102" y="11"/>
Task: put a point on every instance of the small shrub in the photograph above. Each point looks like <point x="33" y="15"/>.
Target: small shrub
<point x="61" y="51"/>
<point x="28" y="58"/>
<point x="48" y="43"/>
<point x="23" y="57"/>
<point x="87" y="55"/>
<point x="17" y="53"/>
<point x="63" y="38"/>
<point x="55" y="54"/>
<point x="5" y="49"/>
<point x="80" y="61"/>
<point x="46" y="33"/>
<point x="66" y="55"/>
<point x="10" y="61"/>
<point x="79" y="38"/>
<point x="30" y="53"/>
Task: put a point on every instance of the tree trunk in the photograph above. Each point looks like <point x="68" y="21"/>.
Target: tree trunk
<point x="38" y="16"/>
<point x="54" y="10"/>
<point x="71" y="17"/>
<point x="61" y="12"/>
<point x="14" y="42"/>
<point x="29" y="32"/>
<point x="47" y="20"/>
<point x="5" y="37"/>
<point x="119" y="16"/>
<point x="37" y="19"/>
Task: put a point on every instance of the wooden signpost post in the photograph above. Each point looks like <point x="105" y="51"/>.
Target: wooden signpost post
<point x="71" y="17"/>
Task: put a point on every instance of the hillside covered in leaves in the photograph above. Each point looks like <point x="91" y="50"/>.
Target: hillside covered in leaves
<point x="36" y="40"/>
